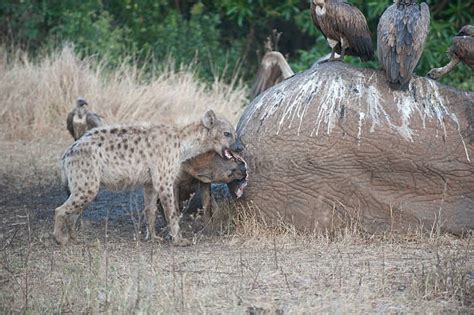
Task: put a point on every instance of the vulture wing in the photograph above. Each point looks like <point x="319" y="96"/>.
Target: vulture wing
<point x="387" y="42"/>
<point x="351" y="23"/>
<point x="463" y="48"/>
<point x="93" y="120"/>
<point x="314" y="17"/>
<point x="69" y="123"/>
<point x="401" y="36"/>
<point x="273" y="70"/>
<point x="411" y="39"/>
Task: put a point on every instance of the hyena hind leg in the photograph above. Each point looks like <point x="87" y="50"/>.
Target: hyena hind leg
<point x="61" y="230"/>
<point x="66" y="215"/>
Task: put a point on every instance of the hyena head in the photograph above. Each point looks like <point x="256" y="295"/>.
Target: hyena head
<point x="209" y="167"/>
<point x="221" y="135"/>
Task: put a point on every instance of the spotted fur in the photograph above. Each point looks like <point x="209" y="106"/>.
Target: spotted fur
<point x="121" y="157"/>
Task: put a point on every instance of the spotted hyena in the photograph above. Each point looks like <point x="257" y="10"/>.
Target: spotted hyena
<point x="199" y="172"/>
<point x="120" y="157"/>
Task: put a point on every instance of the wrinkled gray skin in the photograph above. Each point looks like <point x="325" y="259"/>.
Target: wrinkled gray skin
<point x="334" y="146"/>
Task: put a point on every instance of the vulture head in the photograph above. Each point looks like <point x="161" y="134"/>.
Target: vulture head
<point x="81" y="102"/>
<point x="405" y="2"/>
<point x="467" y="30"/>
<point x="319" y="5"/>
<point x="435" y="73"/>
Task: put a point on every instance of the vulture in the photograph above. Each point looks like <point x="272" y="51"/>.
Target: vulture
<point x="344" y="27"/>
<point x="401" y="36"/>
<point x="80" y="119"/>
<point x="273" y="69"/>
<point x="461" y="49"/>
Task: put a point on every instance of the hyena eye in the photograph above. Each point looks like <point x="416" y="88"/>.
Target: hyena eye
<point x="227" y="134"/>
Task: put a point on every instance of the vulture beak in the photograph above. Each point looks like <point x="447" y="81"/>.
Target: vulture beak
<point x="81" y="102"/>
<point x="318" y="3"/>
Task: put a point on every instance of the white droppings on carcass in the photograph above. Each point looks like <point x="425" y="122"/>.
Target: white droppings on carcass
<point x="337" y="92"/>
<point x="269" y="99"/>
<point x="405" y="102"/>
<point x="332" y="93"/>
<point x="455" y="119"/>
<point x="279" y="95"/>
<point x="299" y="101"/>
<point x="441" y="112"/>
<point x="361" y="122"/>
<point x="374" y="109"/>
<point x="293" y="100"/>
<point x="429" y="104"/>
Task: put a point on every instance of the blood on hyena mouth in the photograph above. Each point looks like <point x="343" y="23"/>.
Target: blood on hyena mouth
<point x="228" y="154"/>
<point x="238" y="189"/>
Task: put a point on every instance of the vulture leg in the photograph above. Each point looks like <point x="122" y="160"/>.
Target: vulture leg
<point x="437" y="73"/>
<point x="343" y="49"/>
<point x="343" y="52"/>
<point x="331" y="58"/>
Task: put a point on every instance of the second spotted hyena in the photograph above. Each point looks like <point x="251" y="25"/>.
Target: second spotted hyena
<point x="121" y="157"/>
<point x="199" y="172"/>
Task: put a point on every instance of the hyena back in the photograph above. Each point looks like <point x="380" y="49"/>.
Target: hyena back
<point x="120" y="157"/>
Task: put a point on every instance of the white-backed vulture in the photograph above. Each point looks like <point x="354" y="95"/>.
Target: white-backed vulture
<point x="344" y="27"/>
<point x="401" y="36"/>
<point x="461" y="49"/>
<point x="80" y="119"/>
<point x="273" y="69"/>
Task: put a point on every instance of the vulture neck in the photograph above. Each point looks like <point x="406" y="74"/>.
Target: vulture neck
<point x="320" y="11"/>
<point x="81" y="111"/>
<point x="405" y="2"/>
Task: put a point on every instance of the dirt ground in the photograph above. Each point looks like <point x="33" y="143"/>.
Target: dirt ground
<point x="246" y="268"/>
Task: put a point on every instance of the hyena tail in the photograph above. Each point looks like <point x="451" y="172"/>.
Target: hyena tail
<point x="64" y="181"/>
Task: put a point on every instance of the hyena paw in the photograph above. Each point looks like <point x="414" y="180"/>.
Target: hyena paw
<point x="61" y="238"/>
<point x="182" y="242"/>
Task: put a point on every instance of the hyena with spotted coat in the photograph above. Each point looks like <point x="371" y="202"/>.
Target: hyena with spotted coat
<point x="121" y="157"/>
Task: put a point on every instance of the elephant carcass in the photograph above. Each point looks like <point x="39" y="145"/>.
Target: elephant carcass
<point x="335" y="145"/>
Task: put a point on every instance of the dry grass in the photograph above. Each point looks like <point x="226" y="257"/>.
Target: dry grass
<point x="269" y="272"/>
<point x="249" y="267"/>
<point x="36" y="96"/>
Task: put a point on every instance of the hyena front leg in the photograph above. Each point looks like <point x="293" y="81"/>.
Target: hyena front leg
<point x="206" y="201"/>
<point x="151" y="199"/>
<point x="169" y="196"/>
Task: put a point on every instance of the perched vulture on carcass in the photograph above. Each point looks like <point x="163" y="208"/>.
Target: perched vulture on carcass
<point x="273" y="69"/>
<point x="401" y="36"/>
<point x="461" y="49"/>
<point x="344" y="27"/>
<point x="80" y="119"/>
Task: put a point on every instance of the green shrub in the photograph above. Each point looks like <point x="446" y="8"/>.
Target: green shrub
<point x="92" y="33"/>
<point x="214" y="35"/>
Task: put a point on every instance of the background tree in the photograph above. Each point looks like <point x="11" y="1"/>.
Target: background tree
<point x="217" y="36"/>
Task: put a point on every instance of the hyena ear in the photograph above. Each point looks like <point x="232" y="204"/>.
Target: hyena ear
<point x="209" y="119"/>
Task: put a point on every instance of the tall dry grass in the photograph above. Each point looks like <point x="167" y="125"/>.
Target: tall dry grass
<point x="36" y="95"/>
